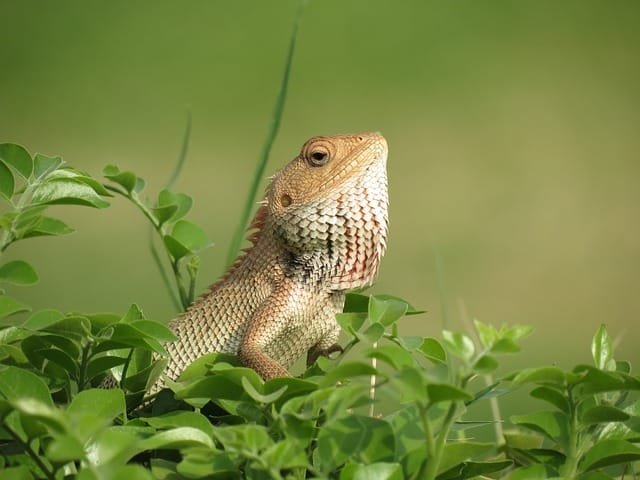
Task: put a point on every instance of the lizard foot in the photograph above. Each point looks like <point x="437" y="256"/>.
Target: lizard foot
<point x="314" y="353"/>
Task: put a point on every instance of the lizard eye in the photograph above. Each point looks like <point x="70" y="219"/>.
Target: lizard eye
<point x="318" y="157"/>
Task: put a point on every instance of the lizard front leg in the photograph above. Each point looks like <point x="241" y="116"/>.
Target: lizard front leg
<point x="277" y="333"/>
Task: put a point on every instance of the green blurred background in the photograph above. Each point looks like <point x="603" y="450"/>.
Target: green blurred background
<point x="513" y="131"/>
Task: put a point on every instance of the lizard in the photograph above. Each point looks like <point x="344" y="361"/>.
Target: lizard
<point x="320" y="230"/>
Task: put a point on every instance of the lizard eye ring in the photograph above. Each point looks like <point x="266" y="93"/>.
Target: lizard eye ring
<point x="318" y="157"/>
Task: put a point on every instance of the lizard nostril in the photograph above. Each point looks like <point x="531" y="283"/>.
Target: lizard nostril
<point x="285" y="200"/>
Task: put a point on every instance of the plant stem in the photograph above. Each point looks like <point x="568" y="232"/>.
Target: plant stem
<point x="271" y="135"/>
<point x="34" y="455"/>
<point x="571" y="464"/>
<point x="434" y="463"/>
<point x="428" y="433"/>
<point x="125" y="368"/>
<point x="83" y="367"/>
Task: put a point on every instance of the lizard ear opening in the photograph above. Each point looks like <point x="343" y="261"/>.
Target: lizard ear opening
<point x="286" y="200"/>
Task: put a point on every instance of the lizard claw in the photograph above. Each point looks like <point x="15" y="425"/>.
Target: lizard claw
<point x="314" y="353"/>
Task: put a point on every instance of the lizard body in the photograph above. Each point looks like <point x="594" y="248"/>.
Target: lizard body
<point x="320" y="230"/>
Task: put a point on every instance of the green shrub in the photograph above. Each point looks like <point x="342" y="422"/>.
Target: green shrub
<point x="389" y="407"/>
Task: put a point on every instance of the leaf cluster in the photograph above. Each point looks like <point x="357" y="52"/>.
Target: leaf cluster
<point x="388" y="407"/>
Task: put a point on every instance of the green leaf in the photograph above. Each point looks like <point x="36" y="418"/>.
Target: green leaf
<point x="347" y="370"/>
<point x="134" y="313"/>
<point x="181" y="201"/>
<point x="80" y="177"/>
<point x="554" y="425"/>
<point x="204" y="463"/>
<point x="553" y="396"/>
<point x="354" y="438"/>
<point x="522" y="439"/>
<point x="67" y="192"/>
<point x="351" y="321"/>
<point x="393" y="354"/>
<point x="411" y="310"/>
<point x="446" y="393"/>
<point x="16" y="383"/>
<point x="18" y="272"/>
<point x="17" y="157"/>
<point x="215" y="387"/>
<point x="475" y="470"/>
<point x="114" y="445"/>
<point x="540" y="375"/>
<point x="245" y="438"/>
<point x="410" y="343"/>
<point x="155" y="330"/>
<point x="286" y="454"/>
<point x="43" y="164"/>
<point x="60" y="358"/>
<point x="129" y="335"/>
<point x="455" y="453"/>
<point x="386" y="312"/>
<point x="485" y="364"/>
<point x="47" y="226"/>
<point x="356" y="303"/>
<point x="604" y="414"/>
<point x="487" y="333"/>
<point x="177" y="438"/>
<point x="164" y="213"/>
<point x="410" y="385"/>
<point x="609" y="452"/>
<point x="407" y="427"/>
<point x="593" y="380"/>
<point x="602" y="348"/>
<point x="75" y="326"/>
<point x="505" y="345"/>
<point x="13" y="352"/>
<point x="190" y="235"/>
<point x="374" y="471"/>
<point x="10" y="306"/>
<point x="258" y="396"/>
<point x="432" y="350"/>
<point x="102" y="364"/>
<point x="125" y="179"/>
<point x="176" y="249"/>
<point x="64" y="448"/>
<point x="42" y="319"/>
<point x="7" y="183"/>
<point x="458" y="344"/>
<point x="373" y="333"/>
<point x="16" y="473"/>
<point x="181" y="419"/>
<point x="34" y="409"/>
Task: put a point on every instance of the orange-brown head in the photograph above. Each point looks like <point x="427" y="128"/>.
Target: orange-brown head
<point x="328" y="207"/>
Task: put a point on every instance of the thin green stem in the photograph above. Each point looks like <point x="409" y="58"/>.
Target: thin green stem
<point x="441" y="441"/>
<point x="571" y="464"/>
<point x="125" y="369"/>
<point x="430" y="444"/>
<point x="183" y="154"/>
<point x="82" y="377"/>
<point x="163" y="274"/>
<point x="48" y="472"/>
<point x="184" y="296"/>
<point x="271" y="135"/>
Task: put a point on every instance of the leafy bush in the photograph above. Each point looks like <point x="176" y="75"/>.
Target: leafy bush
<point x="389" y="407"/>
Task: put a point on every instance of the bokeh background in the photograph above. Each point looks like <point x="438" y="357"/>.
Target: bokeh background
<point x="514" y="130"/>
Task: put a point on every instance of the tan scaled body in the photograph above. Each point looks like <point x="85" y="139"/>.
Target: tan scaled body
<point x="320" y="230"/>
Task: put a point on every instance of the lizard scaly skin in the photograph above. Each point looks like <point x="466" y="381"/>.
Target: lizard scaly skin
<point x="320" y="231"/>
